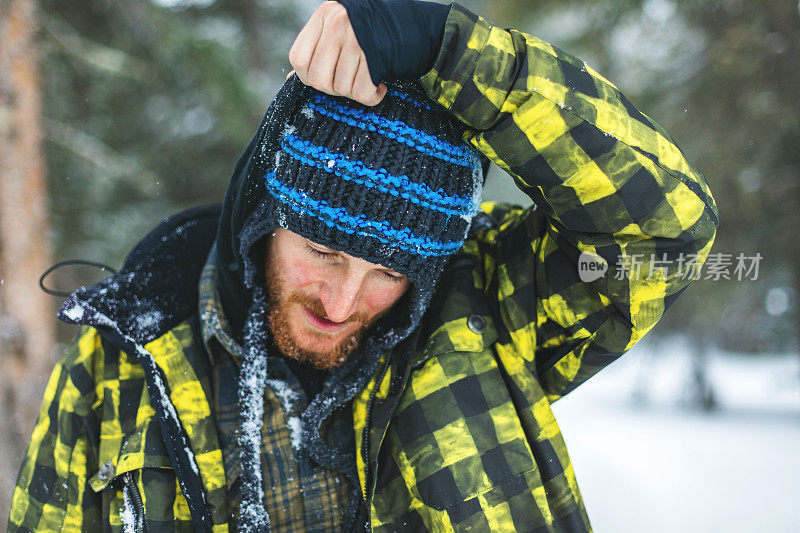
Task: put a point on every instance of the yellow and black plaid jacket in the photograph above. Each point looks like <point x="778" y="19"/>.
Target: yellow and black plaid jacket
<point x="461" y="435"/>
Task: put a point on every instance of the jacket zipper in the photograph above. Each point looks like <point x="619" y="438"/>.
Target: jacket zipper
<point x="368" y="421"/>
<point x="365" y="440"/>
<point x="465" y="262"/>
<point x="136" y="499"/>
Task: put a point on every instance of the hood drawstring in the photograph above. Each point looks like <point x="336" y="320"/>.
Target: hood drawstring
<point x="68" y="262"/>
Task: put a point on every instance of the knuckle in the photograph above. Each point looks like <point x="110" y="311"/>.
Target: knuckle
<point x="341" y="87"/>
<point x="328" y="7"/>
<point x="297" y="59"/>
<point x="340" y="17"/>
<point x="318" y="81"/>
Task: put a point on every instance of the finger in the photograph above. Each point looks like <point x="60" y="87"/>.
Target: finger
<point x="382" y="90"/>
<point x="346" y="69"/>
<point x="305" y="44"/>
<point x="364" y="90"/>
<point x="290" y="74"/>
<point x="322" y="69"/>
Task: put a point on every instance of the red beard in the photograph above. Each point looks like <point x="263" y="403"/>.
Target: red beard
<point x="280" y="305"/>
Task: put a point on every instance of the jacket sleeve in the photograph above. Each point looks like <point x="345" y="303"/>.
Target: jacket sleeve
<point x="606" y="181"/>
<point x="51" y="492"/>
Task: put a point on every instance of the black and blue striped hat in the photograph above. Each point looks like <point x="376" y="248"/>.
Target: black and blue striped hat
<point x="393" y="184"/>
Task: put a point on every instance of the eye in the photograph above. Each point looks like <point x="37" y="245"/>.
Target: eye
<point x="320" y="253"/>
<point x="394" y="277"/>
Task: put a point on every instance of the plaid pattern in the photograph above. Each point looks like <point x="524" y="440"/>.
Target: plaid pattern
<point x="472" y="444"/>
<point x="96" y="411"/>
<point x="300" y="496"/>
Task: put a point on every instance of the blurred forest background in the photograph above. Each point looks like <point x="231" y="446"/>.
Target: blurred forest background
<point x="115" y="114"/>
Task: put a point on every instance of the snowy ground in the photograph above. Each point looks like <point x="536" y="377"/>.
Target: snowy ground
<point x="646" y="461"/>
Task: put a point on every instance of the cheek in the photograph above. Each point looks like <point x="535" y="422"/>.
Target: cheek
<point x="382" y="298"/>
<point x="301" y="273"/>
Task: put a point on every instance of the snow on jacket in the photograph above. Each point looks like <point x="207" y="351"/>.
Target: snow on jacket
<point x="455" y="430"/>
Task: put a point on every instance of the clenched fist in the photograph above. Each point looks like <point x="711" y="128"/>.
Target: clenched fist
<point x="326" y="55"/>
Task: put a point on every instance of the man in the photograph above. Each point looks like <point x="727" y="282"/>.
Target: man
<point x="368" y="349"/>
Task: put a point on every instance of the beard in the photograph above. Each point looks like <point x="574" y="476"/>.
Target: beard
<point x="280" y="305"/>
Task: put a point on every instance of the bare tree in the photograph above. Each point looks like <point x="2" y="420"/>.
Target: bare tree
<point x="27" y="329"/>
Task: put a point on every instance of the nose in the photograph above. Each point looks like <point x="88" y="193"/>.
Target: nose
<point x="340" y="295"/>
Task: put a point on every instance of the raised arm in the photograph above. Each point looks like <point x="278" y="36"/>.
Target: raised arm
<point x="605" y="179"/>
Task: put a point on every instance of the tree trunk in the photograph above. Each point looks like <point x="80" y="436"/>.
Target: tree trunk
<point x="27" y="326"/>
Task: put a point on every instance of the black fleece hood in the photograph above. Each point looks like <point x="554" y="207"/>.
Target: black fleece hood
<point x="245" y="193"/>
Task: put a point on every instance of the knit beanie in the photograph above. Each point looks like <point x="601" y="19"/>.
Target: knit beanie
<point x="393" y="184"/>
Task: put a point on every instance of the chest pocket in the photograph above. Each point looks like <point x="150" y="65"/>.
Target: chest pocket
<point x="136" y="482"/>
<point x="456" y="432"/>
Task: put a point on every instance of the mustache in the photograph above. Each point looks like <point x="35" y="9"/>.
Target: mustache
<point x="315" y="306"/>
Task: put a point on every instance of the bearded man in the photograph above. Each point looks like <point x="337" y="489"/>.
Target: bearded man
<point x="352" y="340"/>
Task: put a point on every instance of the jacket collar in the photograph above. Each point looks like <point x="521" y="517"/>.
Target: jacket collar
<point x="156" y="288"/>
<point x="214" y="325"/>
<point x="460" y="317"/>
<point x="136" y="309"/>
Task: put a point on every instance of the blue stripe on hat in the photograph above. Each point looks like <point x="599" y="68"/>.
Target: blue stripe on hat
<point x="339" y="218"/>
<point x="356" y="171"/>
<point x="407" y="98"/>
<point x="395" y="129"/>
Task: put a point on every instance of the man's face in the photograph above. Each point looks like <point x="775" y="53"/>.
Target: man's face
<point x="322" y="300"/>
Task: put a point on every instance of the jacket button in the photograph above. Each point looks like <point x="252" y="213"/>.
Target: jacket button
<point x="106" y="471"/>
<point x="476" y="323"/>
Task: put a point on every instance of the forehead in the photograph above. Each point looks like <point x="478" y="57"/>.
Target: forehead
<point x="284" y="236"/>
